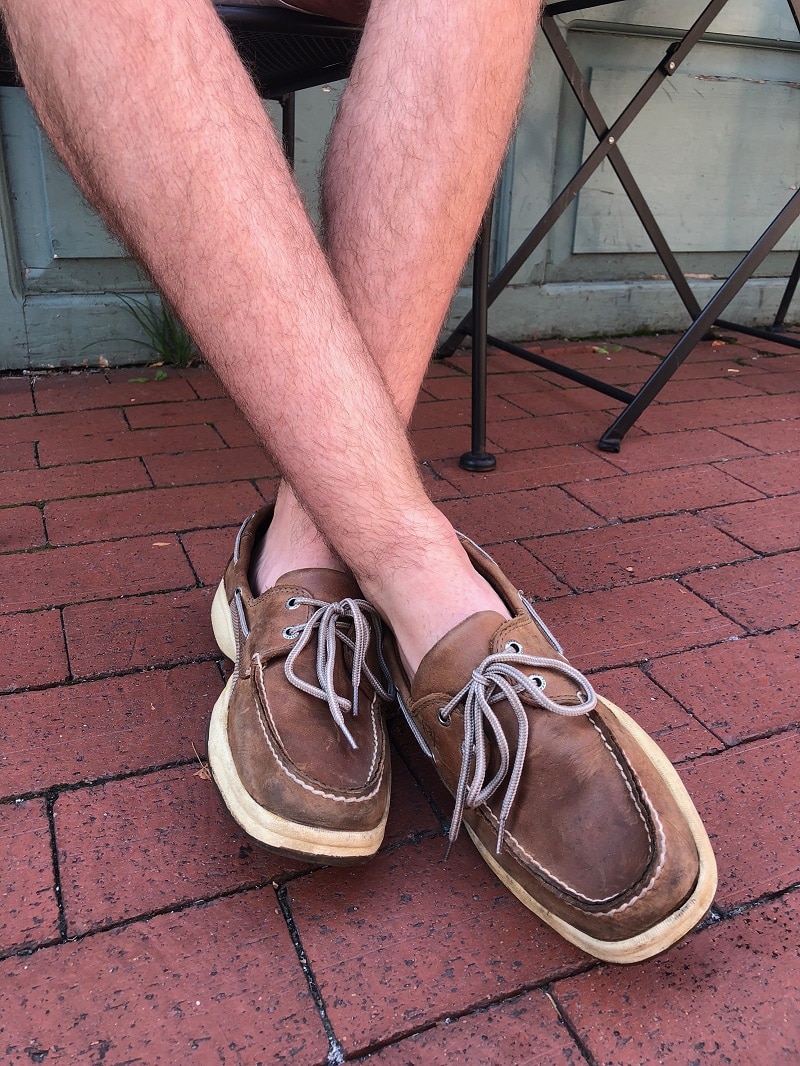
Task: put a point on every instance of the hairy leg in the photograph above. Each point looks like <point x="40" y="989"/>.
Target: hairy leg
<point x="154" y="115"/>
<point x="415" y="149"/>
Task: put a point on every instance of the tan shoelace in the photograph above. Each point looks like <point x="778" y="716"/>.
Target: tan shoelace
<point x="500" y="677"/>
<point x="331" y="622"/>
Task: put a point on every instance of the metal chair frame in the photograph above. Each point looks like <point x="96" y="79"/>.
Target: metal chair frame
<point x="486" y="291"/>
<point x="284" y="51"/>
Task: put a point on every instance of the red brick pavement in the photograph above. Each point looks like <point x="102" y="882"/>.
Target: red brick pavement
<point x="138" y="924"/>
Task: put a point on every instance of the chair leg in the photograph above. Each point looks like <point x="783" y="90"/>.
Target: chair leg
<point x="287" y="103"/>
<point x="789" y="292"/>
<point x="612" y="438"/>
<point x="478" y="458"/>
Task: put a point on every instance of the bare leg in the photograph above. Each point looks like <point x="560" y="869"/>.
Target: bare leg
<point x="413" y="155"/>
<point x="154" y="114"/>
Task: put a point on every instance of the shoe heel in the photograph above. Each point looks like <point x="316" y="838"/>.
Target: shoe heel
<point x="222" y="624"/>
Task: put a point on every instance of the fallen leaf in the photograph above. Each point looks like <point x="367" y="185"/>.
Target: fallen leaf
<point x="733" y="370"/>
<point x="160" y="543"/>
<point x="203" y="773"/>
<point x="717" y="344"/>
<point x="102" y="361"/>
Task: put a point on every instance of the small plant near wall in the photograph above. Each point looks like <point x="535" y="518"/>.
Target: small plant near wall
<point x="166" y="336"/>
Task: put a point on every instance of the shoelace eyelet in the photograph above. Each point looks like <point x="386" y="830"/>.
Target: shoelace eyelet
<point x="292" y="603"/>
<point x="444" y="719"/>
<point x="514" y="646"/>
<point x="289" y="633"/>
<point x="538" y="680"/>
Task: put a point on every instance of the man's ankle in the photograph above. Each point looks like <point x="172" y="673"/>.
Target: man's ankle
<point x="291" y="542"/>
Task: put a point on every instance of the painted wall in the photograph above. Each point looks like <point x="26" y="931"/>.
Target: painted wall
<point x="716" y="153"/>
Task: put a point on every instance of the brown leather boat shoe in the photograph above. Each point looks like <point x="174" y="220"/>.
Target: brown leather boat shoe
<point x="297" y="741"/>
<point x="571" y="804"/>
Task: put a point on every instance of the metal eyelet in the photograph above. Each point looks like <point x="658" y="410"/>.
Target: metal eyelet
<point x="289" y="633"/>
<point x="514" y="646"/>
<point x="441" y="716"/>
<point x="538" y="680"/>
<point x="292" y="603"/>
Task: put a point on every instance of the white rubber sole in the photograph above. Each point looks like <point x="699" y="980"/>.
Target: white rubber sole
<point x="675" y="925"/>
<point x="266" y="828"/>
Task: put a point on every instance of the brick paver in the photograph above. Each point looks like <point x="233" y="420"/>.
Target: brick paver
<point x="80" y="479"/>
<point x="661" y="492"/>
<point x="772" y="474"/>
<point x="741" y="688"/>
<point x="636" y="551"/>
<point x="21" y="528"/>
<point x="184" y="987"/>
<point x="87" y="731"/>
<point x="150" y="511"/>
<point x="627" y="625"/>
<point x="677" y="730"/>
<point x="139" y="924"/>
<point x="417" y="937"/>
<point x="139" y="632"/>
<point x="40" y="656"/>
<point x="762" y="594"/>
<point x="113" y="389"/>
<point x="766" y="526"/>
<point x="524" y="1029"/>
<point x="84" y="572"/>
<point x="759" y="783"/>
<point x="29" y="907"/>
<point x="727" y="994"/>
<point x="513" y="515"/>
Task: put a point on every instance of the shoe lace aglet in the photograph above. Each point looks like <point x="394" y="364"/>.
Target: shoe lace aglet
<point x="501" y="832"/>
<point x="348" y="736"/>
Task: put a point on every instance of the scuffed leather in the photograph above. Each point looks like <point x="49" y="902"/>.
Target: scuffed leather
<point x="289" y="753"/>
<point x="594" y="834"/>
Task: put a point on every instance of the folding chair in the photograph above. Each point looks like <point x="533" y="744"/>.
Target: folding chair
<point x="485" y="292"/>
<point x="284" y="50"/>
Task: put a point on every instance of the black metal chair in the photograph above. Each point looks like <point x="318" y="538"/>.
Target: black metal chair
<point x="485" y="291"/>
<point x="284" y="50"/>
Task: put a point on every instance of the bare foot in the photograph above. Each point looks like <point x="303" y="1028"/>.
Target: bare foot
<point x="292" y="542"/>
<point x="424" y="602"/>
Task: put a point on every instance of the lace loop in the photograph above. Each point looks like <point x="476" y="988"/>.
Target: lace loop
<point x="331" y="622"/>
<point x="501" y="677"/>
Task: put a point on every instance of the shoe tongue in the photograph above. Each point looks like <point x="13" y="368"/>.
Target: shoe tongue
<point x="449" y="664"/>
<point x="327" y="585"/>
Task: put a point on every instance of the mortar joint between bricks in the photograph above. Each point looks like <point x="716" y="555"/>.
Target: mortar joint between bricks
<point x="336" y="1054"/>
<point x="50" y="801"/>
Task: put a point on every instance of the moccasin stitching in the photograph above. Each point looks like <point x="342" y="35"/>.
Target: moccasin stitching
<point x="624" y="777"/>
<point x="522" y="851"/>
<point x="662" y="852"/>
<point x="509" y="838"/>
<point x="265" y="709"/>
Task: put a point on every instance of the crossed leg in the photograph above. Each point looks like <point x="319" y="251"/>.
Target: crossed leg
<point x="153" y="113"/>
<point x="155" y="116"/>
<point x="412" y="158"/>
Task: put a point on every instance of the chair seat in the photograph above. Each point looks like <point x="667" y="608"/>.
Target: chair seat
<point x="284" y="48"/>
<point x="351" y="12"/>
